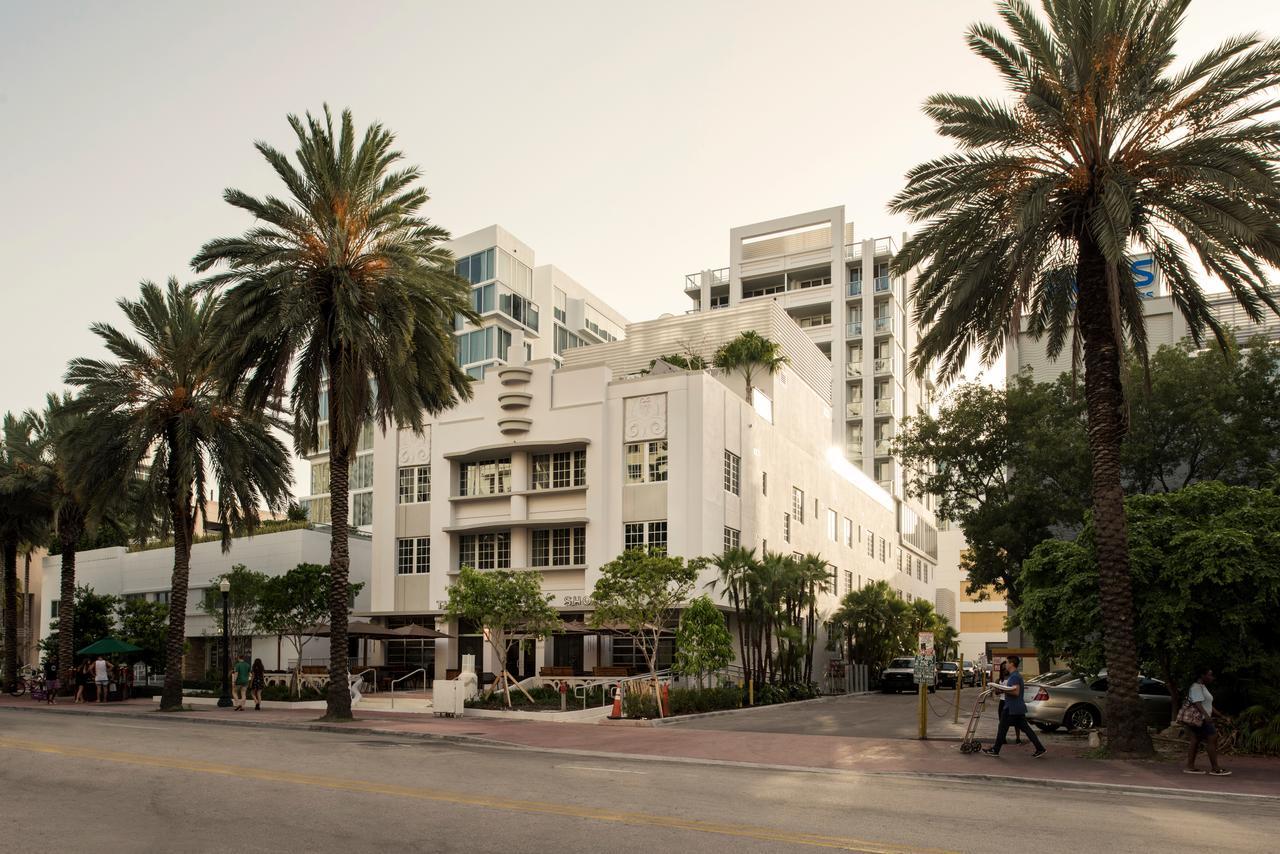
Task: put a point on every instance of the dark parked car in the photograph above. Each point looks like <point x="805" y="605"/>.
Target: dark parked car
<point x="947" y="671"/>
<point x="1078" y="702"/>
<point x="900" y="675"/>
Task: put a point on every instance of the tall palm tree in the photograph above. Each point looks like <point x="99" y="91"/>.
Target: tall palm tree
<point x="24" y="518"/>
<point x="160" y="412"/>
<point x="343" y="285"/>
<point x="1104" y="149"/>
<point x="749" y="354"/>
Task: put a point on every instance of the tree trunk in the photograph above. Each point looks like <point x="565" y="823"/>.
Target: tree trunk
<point x="1126" y="731"/>
<point x="69" y="529"/>
<point x="10" y="548"/>
<point x="182" y="518"/>
<point x="338" y="701"/>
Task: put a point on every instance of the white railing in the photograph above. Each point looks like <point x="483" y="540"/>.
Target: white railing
<point x="421" y="670"/>
<point x="853" y="328"/>
<point x="884" y="324"/>
<point x="374" y="684"/>
<point x="854" y="289"/>
<point x="882" y="366"/>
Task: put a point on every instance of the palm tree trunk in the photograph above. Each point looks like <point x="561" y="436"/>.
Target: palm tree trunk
<point x="338" y="700"/>
<point x="1126" y="731"/>
<point x="69" y="530"/>
<point x="10" y="548"/>
<point x="181" y="520"/>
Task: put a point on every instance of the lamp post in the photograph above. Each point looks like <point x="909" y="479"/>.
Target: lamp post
<point x="224" y="702"/>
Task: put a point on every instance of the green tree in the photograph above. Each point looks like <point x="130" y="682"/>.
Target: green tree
<point x="95" y="620"/>
<point x="735" y="571"/>
<point x="1104" y="147"/>
<point x="291" y="604"/>
<point x="510" y="606"/>
<point x="24" y="519"/>
<point x="1206" y="569"/>
<point x="687" y="361"/>
<point x="749" y="354"/>
<point x="341" y="292"/>
<point x="244" y="601"/>
<point x="703" y="642"/>
<point x="143" y="624"/>
<point x="158" y="408"/>
<point x="637" y="594"/>
<point x="875" y="622"/>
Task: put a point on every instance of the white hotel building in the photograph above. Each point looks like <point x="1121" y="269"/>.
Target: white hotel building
<point x="558" y="470"/>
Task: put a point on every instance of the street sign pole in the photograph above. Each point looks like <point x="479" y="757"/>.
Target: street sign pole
<point x="959" y="682"/>
<point x="924" y="708"/>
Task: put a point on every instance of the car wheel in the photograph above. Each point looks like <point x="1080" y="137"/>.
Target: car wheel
<point x="1048" y="727"/>
<point x="1082" y="717"/>
<point x="886" y="691"/>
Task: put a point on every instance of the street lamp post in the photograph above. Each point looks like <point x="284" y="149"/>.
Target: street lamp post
<point x="224" y="702"/>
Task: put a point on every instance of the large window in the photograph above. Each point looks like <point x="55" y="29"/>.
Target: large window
<point x="732" y="473"/>
<point x="646" y="462"/>
<point x="483" y="345"/>
<point x="413" y="555"/>
<point x="732" y="538"/>
<point x="477" y="268"/>
<point x="797" y="504"/>
<point x="415" y="484"/>
<point x="560" y="470"/>
<point x="485" y="551"/>
<point x="559" y="547"/>
<point x="645" y="535"/>
<point x="362" y="472"/>
<point x="319" y="478"/>
<point x="485" y="477"/>
<point x="362" y="509"/>
<point x="627" y="652"/>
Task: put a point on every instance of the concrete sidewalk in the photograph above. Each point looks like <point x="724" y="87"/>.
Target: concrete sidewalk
<point x="1064" y="766"/>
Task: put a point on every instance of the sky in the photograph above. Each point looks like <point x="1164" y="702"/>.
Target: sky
<point x="620" y="141"/>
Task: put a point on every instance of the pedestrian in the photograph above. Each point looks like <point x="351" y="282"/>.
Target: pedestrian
<point x="257" y="681"/>
<point x="1015" y="710"/>
<point x="1196" y="715"/>
<point x="241" y="683"/>
<point x="82" y="680"/>
<point x="1002" y="713"/>
<point x="101" y="676"/>
<point x="50" y="679"/>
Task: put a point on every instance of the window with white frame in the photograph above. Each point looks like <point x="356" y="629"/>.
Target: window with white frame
<point x="485" y="551"/>
<point x="646" y="462"/>
<point x="786" y="527"/>
<point x="848" y="532"/>
<point x="559" y="547"/>
<point x="732" y="538"/>
<point x="871" y="544"/>
<point x="645" y="535"/>
<point x="832" y="523"/>
<point x="732" y="473"/>
<point x="559" y="470"/>
<point x="415" y="484"/>
<point x="848" y="581"/>
<point x="485" y="477"/>
<point x="884" y="555"/>
<point x="797" y="504"/>
<point x="413" y="555"/>
<point x="362" y="472"/>
<point x="362" y="508"/>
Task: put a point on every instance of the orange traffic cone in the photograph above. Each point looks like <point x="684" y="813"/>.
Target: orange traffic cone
<point x="616" y="714"/>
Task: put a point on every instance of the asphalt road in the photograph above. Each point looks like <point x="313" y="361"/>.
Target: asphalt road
<point x="73" y="783"/>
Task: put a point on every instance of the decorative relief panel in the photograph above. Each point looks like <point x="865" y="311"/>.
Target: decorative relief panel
<point x="415" y="450"/>
<point x="645" y="418"/>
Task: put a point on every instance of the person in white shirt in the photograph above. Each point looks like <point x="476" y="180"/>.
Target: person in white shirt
<point x="1206" y="733"/>
<point x="101" y="676"/>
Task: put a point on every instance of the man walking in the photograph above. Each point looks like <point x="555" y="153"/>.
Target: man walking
<point x="241" y="685"/>
<point x="1015" y="706"/>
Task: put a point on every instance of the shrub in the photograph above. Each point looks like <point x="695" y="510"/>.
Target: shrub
<point x="639" y="704"/>
<point x="692" y="701"/>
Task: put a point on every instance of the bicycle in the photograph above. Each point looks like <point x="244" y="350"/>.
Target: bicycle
<point x="26" y="677"/>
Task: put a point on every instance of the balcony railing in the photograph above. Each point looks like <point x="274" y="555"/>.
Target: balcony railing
<point x="884" y="447"/>
<point x="886" y="485"/>
<point x="882" y="284"/>
<point x="853" y="370"/>
<point x="883" y="325"/>
<point x="854" y="289"/>
<point x="883" y="366"/>
<point x="853" y="409"/>
<point x="884" y="406"/>
<point x="853" y="329"/>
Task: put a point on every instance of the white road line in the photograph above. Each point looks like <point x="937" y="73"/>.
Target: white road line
<point x="131" y="726"/>
<point x="593" y="768"/>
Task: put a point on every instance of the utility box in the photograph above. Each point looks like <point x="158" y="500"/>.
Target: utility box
<point x="448" y="697"/>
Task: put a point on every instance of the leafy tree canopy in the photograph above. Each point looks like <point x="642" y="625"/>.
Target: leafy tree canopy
<point x="703" y="642"/>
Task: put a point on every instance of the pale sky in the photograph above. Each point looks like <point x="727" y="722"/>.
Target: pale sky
<point x="620" y="141"/>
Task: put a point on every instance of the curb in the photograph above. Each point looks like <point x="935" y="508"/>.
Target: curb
<point x="496" y="744"/>
<point x="679" y="719"/>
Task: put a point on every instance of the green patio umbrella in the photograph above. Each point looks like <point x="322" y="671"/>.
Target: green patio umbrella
<point x="108" y="646"/>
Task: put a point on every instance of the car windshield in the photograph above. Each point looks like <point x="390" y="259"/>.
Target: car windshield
<point x="948" y="665"/>
<point x="901" y="663"/>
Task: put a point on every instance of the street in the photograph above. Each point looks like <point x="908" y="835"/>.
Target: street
<point x="76" y="783"/>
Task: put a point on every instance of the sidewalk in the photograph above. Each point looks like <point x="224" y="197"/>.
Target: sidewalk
<point x="1256" y="776"/>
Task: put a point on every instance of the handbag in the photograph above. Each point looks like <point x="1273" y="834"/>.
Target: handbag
<point x="1191" y="714"/>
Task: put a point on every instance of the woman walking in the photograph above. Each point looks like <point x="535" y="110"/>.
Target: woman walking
<point x="1197" y="716"/>
<point x="82" y="679"/>
<point x="257" y="681"/>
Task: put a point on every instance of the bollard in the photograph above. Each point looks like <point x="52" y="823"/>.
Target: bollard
<point x="959" y="683"/>
<point x="924" y="709"/>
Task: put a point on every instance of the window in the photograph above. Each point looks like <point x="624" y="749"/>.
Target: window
<point x="732" y="538"/>
<point x="732" y="473"/>
<point x="832" y="522"/>
<point x="848" y="581"/>
<point x="485" y="551"/>
<point x="319" y="478"/>
<point x="926" y="573"/>
<point x="559" y="470"/>
<point x="645" y="535"/>
<point x="53" y="609"/>
<point x="646" y="462"/>
<point x="415" y="484"/>
<point x="362" y="509"/>
<point x="764" y="483"/>
<point x="848" y="532"/>
<point x="485" y="477"/>
<point x="559" y="547"/>
<point x="161" y="596"/>
<point x="797" y="504"/>
<point x="413" y="555"/>
<point x="871" y="544"/>
<point x="786" y="527"/>
<point x="899" y="560"/>
<point x="883" y="551"/>
<point x="628" y="653"/>
<point x="361" y="472"/>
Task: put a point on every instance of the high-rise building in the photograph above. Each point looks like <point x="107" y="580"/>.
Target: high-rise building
<point x="526" y="313"/>
<point x="842" y="294"/>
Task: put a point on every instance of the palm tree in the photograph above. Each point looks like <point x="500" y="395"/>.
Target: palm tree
<point x="345" y="287"/>
<point x="24" y="519"/>
<point x="160" y="412"/>
<point x="1105" y="148"/>
<point x="750" y="353"/>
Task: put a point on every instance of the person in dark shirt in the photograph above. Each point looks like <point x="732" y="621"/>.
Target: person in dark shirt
<point x="1015" y="707"/>
<point x="51" y="684"/>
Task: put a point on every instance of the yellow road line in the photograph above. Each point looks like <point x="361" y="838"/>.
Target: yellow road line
<point x="462" y="798"/>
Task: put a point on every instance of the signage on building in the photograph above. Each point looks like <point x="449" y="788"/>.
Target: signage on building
<point x="1144" y="271"/>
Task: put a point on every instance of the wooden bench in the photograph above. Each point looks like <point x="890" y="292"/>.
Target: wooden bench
<point x="552" y="672"/>
<point x="611" y="671"/>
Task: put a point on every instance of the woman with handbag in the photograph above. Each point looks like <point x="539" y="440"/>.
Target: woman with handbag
<point x="1196" y="715"/>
